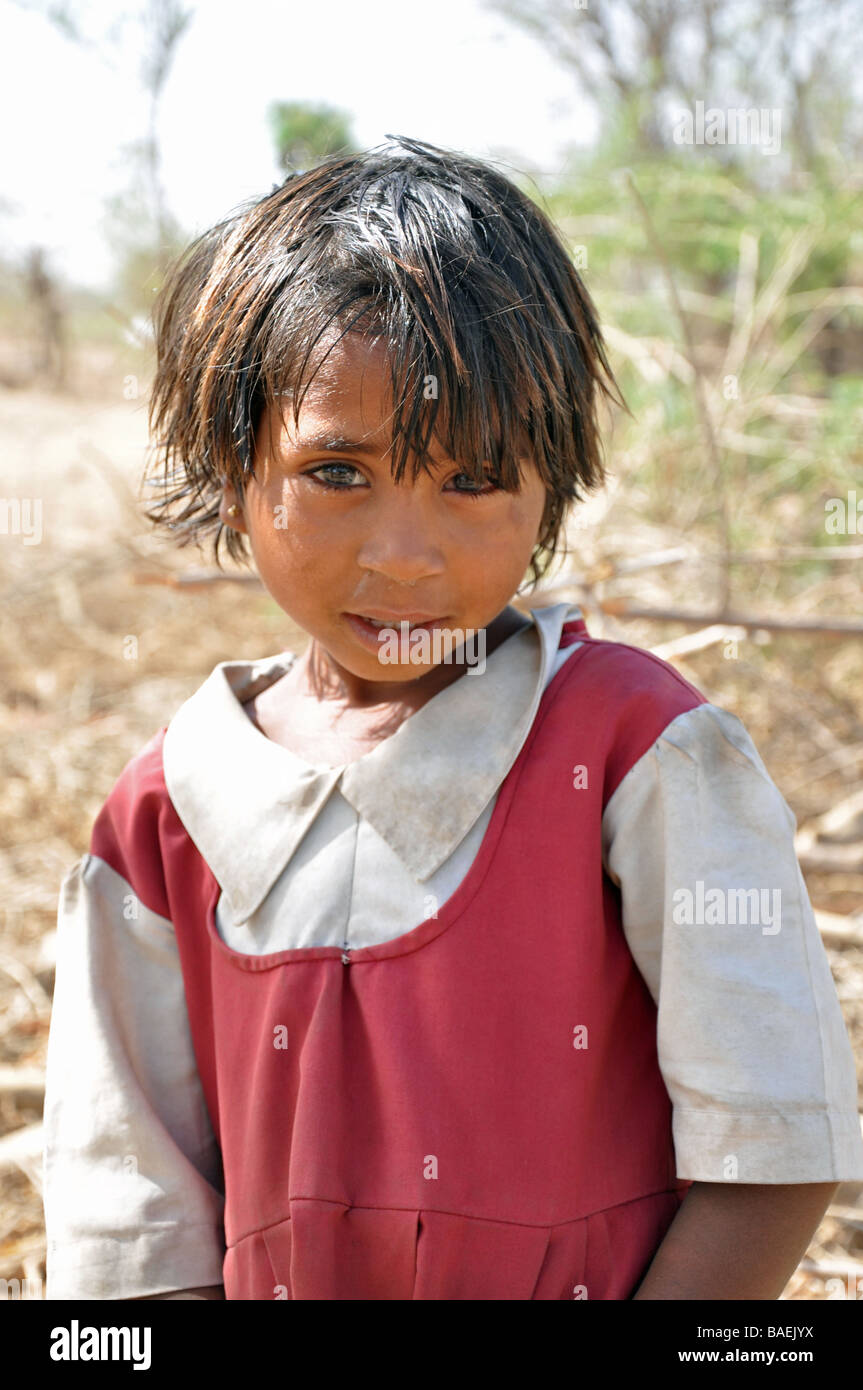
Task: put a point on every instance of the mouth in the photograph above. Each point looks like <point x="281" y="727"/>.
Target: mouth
<point x="396" y="619"/>
<point x="369" y="626"/>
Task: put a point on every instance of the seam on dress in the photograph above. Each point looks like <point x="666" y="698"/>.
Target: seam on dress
<point x="165" y="925"/>
<point x="463" y="1215"/>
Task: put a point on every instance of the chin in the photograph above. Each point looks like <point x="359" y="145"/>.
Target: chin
<point x="387" y="673"/>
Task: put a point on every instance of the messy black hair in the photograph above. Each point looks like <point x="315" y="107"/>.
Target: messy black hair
<point x="462" y="275"/>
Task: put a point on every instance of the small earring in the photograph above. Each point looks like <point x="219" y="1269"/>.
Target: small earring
<point x="233" y="510"/>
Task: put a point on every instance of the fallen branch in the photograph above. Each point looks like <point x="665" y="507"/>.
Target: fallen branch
<point x="22" y="1149"/>
<point x="788" y="553"/>
<point x="838" y="930"/>
<point x="823" y="766"/>
<point x="26" y="981"/>
<point x="842" y="824"/>
<point x="27" y="1254"/>
<point x="820" y="858"/>
<point x="192" y="579"/>
<point x="698" y="641"/>
<point x="621" y="608"/>
<point x="831" y="1269"/>
<point x="852" y="1215"/>
<point x="22" y="1083"/>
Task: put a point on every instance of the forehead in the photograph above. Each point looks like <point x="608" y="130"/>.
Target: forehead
<point x="350" y="387"/>
<point x="352" y="372"/>
<point x="348" y="399"/>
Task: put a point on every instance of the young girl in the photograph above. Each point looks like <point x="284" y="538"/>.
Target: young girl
<point x="395" y="973"/>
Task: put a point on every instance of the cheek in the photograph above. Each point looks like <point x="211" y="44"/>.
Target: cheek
<point x="494" y="558"/>
<point x="288" y="530"/>
<point x="518" y="525"/>
<point x="527" y="509"/>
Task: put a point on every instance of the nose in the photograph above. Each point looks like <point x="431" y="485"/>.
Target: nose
<point x="401" y="539"/>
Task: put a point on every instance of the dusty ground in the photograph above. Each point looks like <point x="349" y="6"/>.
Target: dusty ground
<point x="74" y="708"/>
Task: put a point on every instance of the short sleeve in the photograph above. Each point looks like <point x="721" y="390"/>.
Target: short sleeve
<point x="751" y="1041"/>
<point x="133" y="1188"/>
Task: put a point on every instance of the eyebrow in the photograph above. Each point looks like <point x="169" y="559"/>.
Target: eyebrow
<point x="326" y="442"/>
<point x="331" y="443"/>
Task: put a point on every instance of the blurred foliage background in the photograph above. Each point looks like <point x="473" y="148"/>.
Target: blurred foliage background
<point x="764" y="249"/>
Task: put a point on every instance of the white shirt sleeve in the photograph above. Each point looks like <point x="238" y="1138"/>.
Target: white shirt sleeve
<point x="751" y="1040"/>
<point x="133" y="1189"/>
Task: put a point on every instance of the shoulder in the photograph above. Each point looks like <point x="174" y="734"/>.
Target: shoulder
<point x="626" y="673"/>
<point x="127" y="831"/>
<point x="704" y="770"/>
<point x="140" y="785"/>
<point x="620" y="700"/>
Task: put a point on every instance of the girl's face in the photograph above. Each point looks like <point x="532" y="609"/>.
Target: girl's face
<point x="337" y="540"/>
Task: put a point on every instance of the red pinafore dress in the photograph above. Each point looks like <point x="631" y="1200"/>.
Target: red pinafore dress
<point x="473" y="1110"/>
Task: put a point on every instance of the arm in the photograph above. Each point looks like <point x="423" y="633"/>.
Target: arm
<point x="132" y="1189"/>
<point x="736" y="1240"/>
<point x="751" y="1040"/>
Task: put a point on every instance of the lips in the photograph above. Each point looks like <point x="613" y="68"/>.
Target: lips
<point x="369" y="628"/>
<point x="395" y="619"/>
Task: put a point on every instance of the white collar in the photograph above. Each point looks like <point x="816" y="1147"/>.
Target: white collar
<point x="247" y="802"/>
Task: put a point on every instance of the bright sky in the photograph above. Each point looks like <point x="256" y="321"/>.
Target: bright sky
<point x="451" y="73"/>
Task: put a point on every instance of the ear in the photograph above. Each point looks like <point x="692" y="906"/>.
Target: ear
<point x="229" y="498"/>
